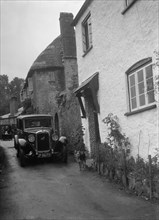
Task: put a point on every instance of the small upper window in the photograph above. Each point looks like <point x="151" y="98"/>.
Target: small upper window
<point x="87" y="33"/>
<point x="140" y="86"/>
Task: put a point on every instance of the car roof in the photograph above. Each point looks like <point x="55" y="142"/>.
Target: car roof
<point x="33" y="116"/>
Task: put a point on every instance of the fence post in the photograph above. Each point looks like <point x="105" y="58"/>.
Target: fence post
<point x="150" y="175"/>
<point x="124" y="168"/>
<point x="99" y="170"/>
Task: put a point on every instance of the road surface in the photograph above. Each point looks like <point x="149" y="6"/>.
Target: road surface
<point x="46" y="190"/>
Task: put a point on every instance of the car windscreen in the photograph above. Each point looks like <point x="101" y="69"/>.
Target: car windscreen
<point x="37" y="122"/>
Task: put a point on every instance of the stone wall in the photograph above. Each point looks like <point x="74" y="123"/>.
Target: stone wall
<point x="69" y="110"/>
<point x="44" y="92"/>
<point x="70" y="120"/>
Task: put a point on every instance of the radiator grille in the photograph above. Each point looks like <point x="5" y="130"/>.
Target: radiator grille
<point x="43" y="141"/>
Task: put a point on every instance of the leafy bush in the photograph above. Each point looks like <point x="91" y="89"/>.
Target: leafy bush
<point x="114" y="156"/>
<point x="76" y="139"/>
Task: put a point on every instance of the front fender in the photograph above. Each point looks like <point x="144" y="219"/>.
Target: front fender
<point x="25" y="146"/>
<point x="22" y="142"/>
<point x="16" y="139"/>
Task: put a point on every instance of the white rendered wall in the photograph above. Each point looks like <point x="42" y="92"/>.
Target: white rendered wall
<point x="119" y="41"/>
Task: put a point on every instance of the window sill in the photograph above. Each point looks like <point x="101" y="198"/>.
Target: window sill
<point x="87" y="51"/>
<point x="140" y="110"/>
<point x="127" y="7"/>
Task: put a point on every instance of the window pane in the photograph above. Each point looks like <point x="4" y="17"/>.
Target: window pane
<point x="149" y="83"/>
<point x="140" y="76"/>
<point x="86" y="35"/>
<point x="90" y="34"/>
<point x="133" y="92"/>
<point x="151" y="97"/>
<point x="133" y="103"/>
<point x="148" y="71"/>
<point x="142" y="99"/>
<point x="83" y="39"/>
<point x="132" y="80"/>
<point x="141" y="88"/>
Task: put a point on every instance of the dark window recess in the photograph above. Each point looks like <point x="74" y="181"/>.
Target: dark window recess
<point x="60" y="79"/>
<point x="87" y="33"/>
<point x="20" y="126"/>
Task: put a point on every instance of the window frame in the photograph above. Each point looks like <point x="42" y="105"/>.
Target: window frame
<point x="134" y="70"/>
<point x="87" y="34"/>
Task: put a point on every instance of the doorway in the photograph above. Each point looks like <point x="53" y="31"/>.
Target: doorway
<point x="57" y="124"/>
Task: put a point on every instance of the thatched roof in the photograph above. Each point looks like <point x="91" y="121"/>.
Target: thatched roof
<point x="50" y="58"/>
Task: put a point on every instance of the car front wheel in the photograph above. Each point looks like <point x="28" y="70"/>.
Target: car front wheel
<point x="15" y="145"/>
<point x="17" y="154"/>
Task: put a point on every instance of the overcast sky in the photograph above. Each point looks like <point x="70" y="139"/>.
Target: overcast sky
<point x="27" y="28"/>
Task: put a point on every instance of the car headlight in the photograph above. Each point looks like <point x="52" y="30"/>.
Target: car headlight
<point x="55" y="137"/>
<point x="31" y="138"/>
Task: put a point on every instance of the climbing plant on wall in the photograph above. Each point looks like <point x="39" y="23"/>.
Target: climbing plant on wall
<point x="116" y="139"/>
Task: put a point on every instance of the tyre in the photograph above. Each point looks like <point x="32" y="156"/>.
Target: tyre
<point x="22" y="158"/>
<point x="17" y="154"/>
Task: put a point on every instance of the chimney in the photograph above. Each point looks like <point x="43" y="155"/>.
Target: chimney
<point x="13" y="106"/>
<point x="67" y="35"/>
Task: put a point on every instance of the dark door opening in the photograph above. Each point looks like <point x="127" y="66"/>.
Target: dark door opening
<point x="57" y="124"/>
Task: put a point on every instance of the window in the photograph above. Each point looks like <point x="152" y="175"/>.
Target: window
<point x="141" y="88"/>
<point x="20" y="124"/>
<point x="87" y="33"/>
<point x="51" y="77"/>
<point x="30" y="83"/>
<point x="37" y="122"/>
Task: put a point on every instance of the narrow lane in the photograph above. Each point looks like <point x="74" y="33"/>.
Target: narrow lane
<point x="49" y="190"/>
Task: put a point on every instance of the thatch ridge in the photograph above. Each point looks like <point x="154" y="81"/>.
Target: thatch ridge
<point x="49" y="58"/>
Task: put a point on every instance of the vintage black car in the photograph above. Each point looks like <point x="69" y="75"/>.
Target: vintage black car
<point x="35" y="138"/>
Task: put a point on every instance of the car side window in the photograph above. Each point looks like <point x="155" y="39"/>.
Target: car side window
<point x="20" y="124"/>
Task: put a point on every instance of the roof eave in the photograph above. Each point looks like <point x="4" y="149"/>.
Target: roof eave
<point x="81" y="11"/>
<point x="31" y="72"/>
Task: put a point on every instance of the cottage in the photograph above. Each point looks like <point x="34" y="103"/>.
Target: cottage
<point x="116" y="44"/>
<point x="52" y="79"/>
